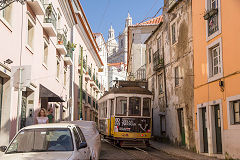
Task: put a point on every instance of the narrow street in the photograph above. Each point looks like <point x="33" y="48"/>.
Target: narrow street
<point x="110" y="151"/>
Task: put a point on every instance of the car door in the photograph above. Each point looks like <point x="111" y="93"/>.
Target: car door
<point x="84" y="140"/>
<point x="81" y="153"/>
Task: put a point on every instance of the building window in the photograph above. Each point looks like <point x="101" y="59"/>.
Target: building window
<point x="122" y="43"/>
<point x="213" y="19"/>
<point x="160" y="83"/>
<point x="176" y="76"/>
<point x="30" y="34"/>
<point x="58" y="69"/>
<point x="236" y="111"/>
<point x="215" y="60"/>
<point x="150" y="56"/>
<point x="7" y="14"/>
<point x="45" y="58"/>
<point x="173" y="29"/>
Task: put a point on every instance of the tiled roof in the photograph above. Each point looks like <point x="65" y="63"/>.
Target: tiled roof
<point x="115" y="64"/>
<point x="153" y="21"/>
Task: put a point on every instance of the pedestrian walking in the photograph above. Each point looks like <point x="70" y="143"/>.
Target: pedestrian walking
<point x="50" y="115"/>
<point x="42" y="117"/>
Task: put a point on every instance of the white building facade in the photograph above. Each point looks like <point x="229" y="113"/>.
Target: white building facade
<point x="103" y="73"/>
<point x="34" y="40"/>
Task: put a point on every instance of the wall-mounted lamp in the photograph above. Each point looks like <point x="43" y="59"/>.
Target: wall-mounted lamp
<point x="221" y="85"/>
<point x="8" y="61"/>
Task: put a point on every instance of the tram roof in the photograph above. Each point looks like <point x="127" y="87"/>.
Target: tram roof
<point x="129" y="90"/>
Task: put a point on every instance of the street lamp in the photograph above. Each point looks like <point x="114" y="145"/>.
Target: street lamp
<point x="6" y="3"/>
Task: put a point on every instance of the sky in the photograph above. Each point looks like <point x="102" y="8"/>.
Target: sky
<point x="101" y="14"/>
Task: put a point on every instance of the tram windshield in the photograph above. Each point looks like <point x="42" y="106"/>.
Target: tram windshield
<point x="121" y="109"/>
<point x="134" y="106"/>
<point x="146" y="106"/>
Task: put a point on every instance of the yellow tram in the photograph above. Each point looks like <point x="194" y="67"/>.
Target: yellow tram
<point x="124" y="114"/>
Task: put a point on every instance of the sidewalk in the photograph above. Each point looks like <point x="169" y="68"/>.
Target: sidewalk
<point x="177" y="151"/>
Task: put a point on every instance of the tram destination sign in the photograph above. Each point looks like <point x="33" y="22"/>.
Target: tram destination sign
<point x="127" y="124"/>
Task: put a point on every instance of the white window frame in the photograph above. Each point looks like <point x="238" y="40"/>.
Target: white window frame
<point x="45" y="41"/>
<point x="58" y="75"/>
<point x="174" y="22"/>
<point x="4" y="20"/>
<point x="212" y="77"/>
<point x="230" y="112"/>
<point x="33" y="22"/>
<point x="207" y="3"/>
<point x="65" y="77"/>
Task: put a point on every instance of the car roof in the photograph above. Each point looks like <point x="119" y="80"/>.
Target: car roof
<point x="50" y="125"/>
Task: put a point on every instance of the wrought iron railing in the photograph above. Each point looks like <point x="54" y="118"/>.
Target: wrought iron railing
<point x="61" y="38"/>
<point x="158" y="62"/>
<point x="89" y="71"/>
<point x="50" y="14"/>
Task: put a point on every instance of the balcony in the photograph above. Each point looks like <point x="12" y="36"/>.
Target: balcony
<point x="61" y="42"/>
<point x="68" y="59"/>
<point x="88" y="74"/>
<point x="36" y="6"/>
<point x="158" y="61"/>
<point x="50" y="20"/>
<point x="84" y="66"/>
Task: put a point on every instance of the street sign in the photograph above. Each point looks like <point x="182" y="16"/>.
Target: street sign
<point x="25" y="79"/>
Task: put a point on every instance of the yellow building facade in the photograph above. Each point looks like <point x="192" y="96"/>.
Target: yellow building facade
<point x="216" y="43"/>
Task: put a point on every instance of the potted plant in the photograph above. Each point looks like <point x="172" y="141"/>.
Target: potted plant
<point x="49" y="11"/>
<point x="210" y="13"/>
<point x="71" y="46"/>
<point x="60" y="39"/>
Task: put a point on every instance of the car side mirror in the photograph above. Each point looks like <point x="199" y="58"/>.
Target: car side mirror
<point x="3" y="148"/>
<point x="83" y="145"/>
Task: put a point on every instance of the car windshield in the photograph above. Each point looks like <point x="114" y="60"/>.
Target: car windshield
<point x="42" y="140"/>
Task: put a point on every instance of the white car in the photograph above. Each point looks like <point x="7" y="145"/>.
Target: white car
<point x="92" y="136"/>
<point x="55" y="141"/>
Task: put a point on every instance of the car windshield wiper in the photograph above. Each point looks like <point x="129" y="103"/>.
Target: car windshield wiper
<point x="15" y="152"/>
<point x="38" y="150"/>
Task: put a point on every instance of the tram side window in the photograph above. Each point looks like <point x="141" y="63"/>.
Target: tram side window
<point x="112" y="107"/>
<point x="103" y="110"/>
<point x="134" y="106"/>
<point x="121" y="109"/>
<point x="146" y="106"/>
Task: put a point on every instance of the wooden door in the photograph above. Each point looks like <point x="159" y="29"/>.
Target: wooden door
<point x="218" y="128"/>
<point x="205" y="135"/>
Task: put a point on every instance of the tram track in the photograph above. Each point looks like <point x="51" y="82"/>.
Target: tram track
<point x="149" y="153"/>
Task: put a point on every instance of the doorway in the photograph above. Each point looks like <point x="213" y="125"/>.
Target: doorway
<point x="1" y="96"/>
<point x="181" y="125"/>
<point x="204" y="129"/>
<point x="218" y="135"/>
<point x="23" y="109"/>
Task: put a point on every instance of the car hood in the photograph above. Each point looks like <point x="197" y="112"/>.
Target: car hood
<point x="37" y="156"/>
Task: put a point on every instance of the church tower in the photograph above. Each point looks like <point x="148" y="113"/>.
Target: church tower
<point x="112" y="43"/>
<point x="128" y="21"/>
<point x="111" y="34"/>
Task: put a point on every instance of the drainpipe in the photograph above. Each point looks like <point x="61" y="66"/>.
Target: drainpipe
<point x="164" y="73"/>
<point x="72" y="73"/>
<point x="19" y="104"/>
<point x="80" y="84"/>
